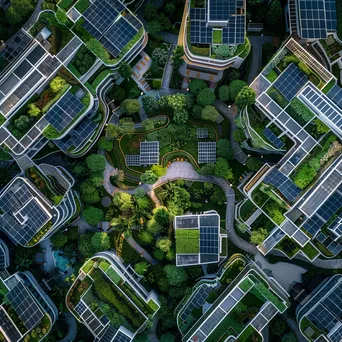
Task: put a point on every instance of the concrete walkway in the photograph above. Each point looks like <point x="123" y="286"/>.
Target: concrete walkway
<point x="257" y="42"/>
<point x="70" y="320"/>
<point x="284" y="273"/>
<point x="294" y="327"/>
<point x="168" y="69"/>
<point x="141" y="250"/>
<point x="49" y="265"/>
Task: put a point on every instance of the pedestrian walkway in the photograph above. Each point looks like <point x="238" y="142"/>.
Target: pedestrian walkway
<point x="140" y="69"/>
<point x="140" y="250"/>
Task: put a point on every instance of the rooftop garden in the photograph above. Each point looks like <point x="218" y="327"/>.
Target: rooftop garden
<point x="187" y="241"/>
<point x="82" y="62"/>
<point x="309" y="330"/>
<point x="217" y="36"/>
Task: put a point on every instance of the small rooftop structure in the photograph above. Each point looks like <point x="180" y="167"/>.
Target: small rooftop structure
<point x="149" y="154"/>
<point x="206" y="152"/>
<point x="198" y="239"/>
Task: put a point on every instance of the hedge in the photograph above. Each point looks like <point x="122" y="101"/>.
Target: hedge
<point x="2" y="119"/>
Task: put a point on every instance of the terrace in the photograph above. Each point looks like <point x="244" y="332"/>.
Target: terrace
<point x="102" y="292"/>
<point x="241" y="308"/>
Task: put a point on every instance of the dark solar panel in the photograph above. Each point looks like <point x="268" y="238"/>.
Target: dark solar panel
<point x="8" y="326"/>
<point x="336" y="336"/>
<point x="25" y="306"/>
<point x="200" y="33"/>
<point x="335" y="94"/>
<point x="66" y="109"/>
<point x="15" y="47"/>
<point x="283" y="184"/>
<point x="9" y="202"/>
<point x="23" y="194"/>
<point x="187" y="221"/>
<point x="49" y="65"/>
<point x="331" y="206"/>
<point x="330" y="14"/>
<point x="121" y="337"/>
<point x="197" y="14"/>
<point x="322" y="318"/>
<point x="108" y="335"/>
<point x="22" y="69"/>
<point x="149" y="152"/>
<point x="209" y="240"/>
<point x="35" y="215"/>
<point x="92" y="29"/>
<point x="290" y="82"/>
<point x="273" y="138"/>
<point x="313" y="225"/>
<point x="36" y="54"/>
<point x="206" y="152"/>
<point x="221" y="10"/>
<point x="312" y="19"/>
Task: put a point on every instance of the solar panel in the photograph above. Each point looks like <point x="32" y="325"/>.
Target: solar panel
<point x="80" y="308"/>
<point x="109" y="334"/>
<point x="336" y="336"/>
<point x="23" y="194"/>
<point x="322" y="318"/>
<point x="335" y="94"/>
<point x="121" y="337"/>
<point x="36" y="54"/>
<point x="133" y="160"/>
<point x="7" y="325"/>
<point x="221" y="10"/>
<point x="187" y="259"/>
<point x="202" y="133"/>
<point x="9" y="202"/>
<point x="197" y="14"/>
<point x="186" y="221"/>
<point x="312" y="19"/>
<point x="15" y="47"/>
<point x="64" y="111"/>
<point x="206" y="152"/>
<point x="49" y="65"/>
<point x="209" y="240"/>
<point x="283" y="184"/>
<point x="149" y="152"/>
<point x="273" y="138"/>
<point x="24" y="305"/>
<point x="313" y="225"/>
<point x="331" y="206"/>
<point x="290" y="81"/>
<point x="200" y="33"/>
<point x="330" y="14"/>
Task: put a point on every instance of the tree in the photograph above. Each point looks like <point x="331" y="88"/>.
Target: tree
<point x="50" y="132"/>
<point x="126" y="125"/>
<point x="145" y="237"/>
<point x="156" y="84"/>
<point x="85" y="246"/>
<point x="170" y="255"/>
<point x="125" y="70"/>
<point x="150" y="12"/>
<point x="234" y="88"/>
<point x="258" y="236"/>
<point x="123" y="201"/>
<point x="141" y="267"/>
<point x="130" y="106"/>
<point x="170" y="7"/>
<point x="196" y="85"/>
<point x="59" y="239"/>
<point x="176" y="101"/>
<point x="278" y="327"/>
<point x="180" y="116"/>
<point x="18" y="11"/>
<point x="93" y="215"/>
<point x="92" y="197"/>
<point x="160" y="56"/>
<point x="290" y="337"/>
<point x="304" y="176"/>
<point x="57" y="84"/>
<point x="175" y="275"/>
<point x="164" y="244"/>
<point x="148" y="124"/>
<point x="154" y="27"/>
<point x="168" y="337"/>
<point x="149" y="177"/>
<point x="33" y="110"/>
<point x="105" y="144"/>
<point x="245" y="97"/>
<point x="150" y="104"/>
<point x="224" y="149"/>
<point x="222" y="169"/>
<point x="112" y="131"/>
<point x="238" y="135"/>
<point x="100" y="242"/>
<point x="177" y="56"/>
<point x="223" y="51"/>
<point x="161" y="215"/>
<point x="205" y="97"/>
<point x="153" y="226"/>
<point x="232" y="75"/>
<point x="118" y="94"/>
<point x="197" y="110"/>
<point x="254" y="164"/>
<point x="96" y="162"/>
<point x="159" y="255"/>
<point x="209" y="113"/>
<point x="224" y="93"/>
<point x="22" y="122"/>
<point x="189" y="101"/>
<point x="159" y="170"/>
<point x="207" y="169"/>
<point x="274" y="13"/>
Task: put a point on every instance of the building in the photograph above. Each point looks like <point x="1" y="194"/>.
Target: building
<point x="36" y="203"/>
<point x="281" y="87"/>
<point x="136" y="304"/>
<point x="4" y="256"/>
<point x="119" y="31"/>
<point x="213" y="26"/>
<point x="320" y="315"/>
<point x="312" y="20"/>
<point x="198" y="239"/>
<point x="26" y="310"/>
<point x="218" y="306"/>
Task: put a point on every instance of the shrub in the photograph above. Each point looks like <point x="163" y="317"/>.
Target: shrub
<point x="205" y="97"/>
<point x="304" y="176"/>
<point x="156" y="84"/>
<point x="50" y="132"/>
<point x="224" y="93"/>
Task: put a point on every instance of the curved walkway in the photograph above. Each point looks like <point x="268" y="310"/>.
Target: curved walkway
<point x="70" y="320"/>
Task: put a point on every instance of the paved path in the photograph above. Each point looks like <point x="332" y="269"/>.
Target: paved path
<point x="284" y="273"/>
<point x="294" y="327"/>
<point x="168" y="69"/>
<point x="239" y="155"/>
<point x="257" y="42"/>
<point x="49" y="265"/>
<point x="70" y="320"/>
<point x="141" y="250"/>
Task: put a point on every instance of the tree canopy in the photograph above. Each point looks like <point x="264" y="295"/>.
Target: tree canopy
<point x="196" y="85"/>
<point x="245" y="97"/>
<point x="149" y="177"/>
<point x="205" y="97"/>
<point x="59" y="239"/>
<point x="125" y="70"/>
<point x="224" y="149"/>
<point x="96" y="162"/>
<point x="234" y="88"/>
<point x="222" y="169"/>
<point x="209" y="113"/>
<point x="130" y="106"/>
<point x="224" y="93"/>
<point x="93" y="215"/>
<point x="258" y="236"/>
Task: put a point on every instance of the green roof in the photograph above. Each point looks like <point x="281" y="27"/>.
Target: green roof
<point x="187" y="241"/>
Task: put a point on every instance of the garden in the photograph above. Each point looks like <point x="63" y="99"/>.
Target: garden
<point x="82" y="62"/>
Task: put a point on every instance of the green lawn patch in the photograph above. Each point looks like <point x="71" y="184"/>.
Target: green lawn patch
<point x="187" y="241"/>
<point x="305" y="324"/>
<point x="247" y="209"/>
<point x="250" y="334"/>
<point x="82" y="5"/>
<point x="113" y="275"/>
<point x="277" y="97"/>
<point x="217" y="36"/>
<point x="272" y="76"/>
<point x="246" y="285"/>
<point x="327" y="88"/>
<point x="310" y="251"/>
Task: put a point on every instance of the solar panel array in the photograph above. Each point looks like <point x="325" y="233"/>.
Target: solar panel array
<point x="225" y="11"/>
<point x="23" y="216"/>
<point x="209" y="240"/>
<point x="149" y="152"/>
<point x="283" y="184"/>
<point x="102" y="23"/>
<point x="330" y="14"/>
<point x="322" y="318"/>
<point x="273" y="138"/>
<point x="121" y="337"/>
<point x="336" y="336"/>
<point x="321" y="104"/>
<point x="133" y="160"/>
<point x="202" y="133"/>
<point x="335" y="94"/>
<point x="290" y="81"/>
<point x="8" y="326"/>
<point x="64" y="111"/>
<point x="187" y="221"/>
<point x="24" y="305"/>
<point x="206" y="152"/>
<point x="108" y="335"/>
<point x="15" y="47"/>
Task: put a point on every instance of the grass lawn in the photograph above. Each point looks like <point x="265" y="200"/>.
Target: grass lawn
<point x="272" y="76"/>
<point x="187" y="241"/>
<point x="310" y="251"/>
<point x="217" y="36"/>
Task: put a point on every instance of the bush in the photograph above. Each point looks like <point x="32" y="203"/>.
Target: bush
<point x="224" y="93"/>
<point x="239" y="135"/>
<point x="50" y="132"/>
<point x="93" y="215"/>
<point x="196" y="85"/>
<point x="156" y="84"/>
<point x="304" y="176"/>
<point x="234" y="88"/>
<point x="205" y="97"/>
<point x="82" y="5"/>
